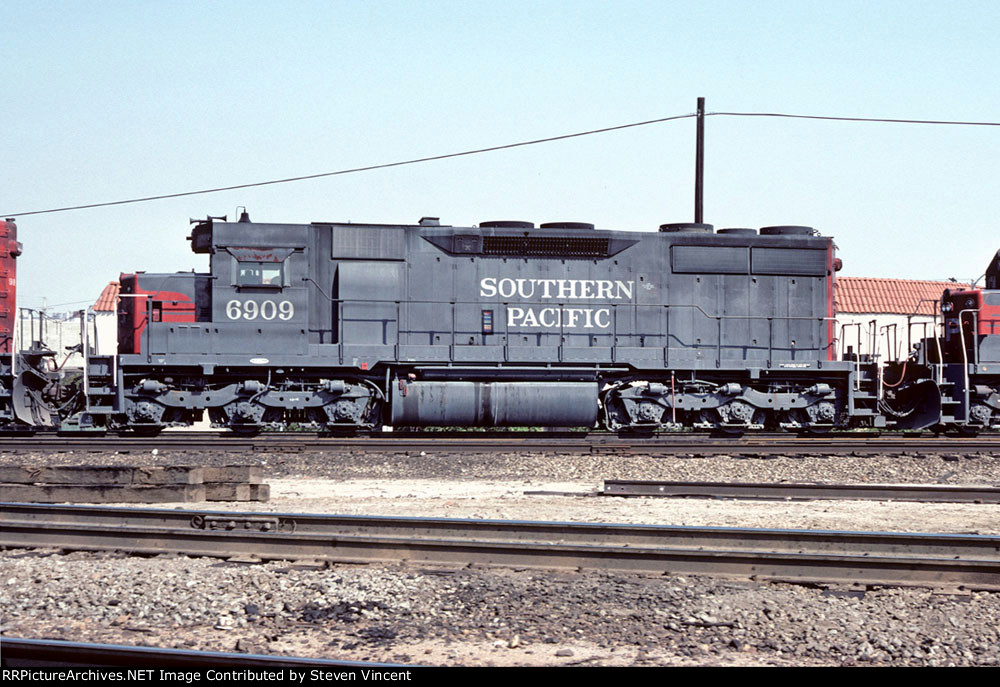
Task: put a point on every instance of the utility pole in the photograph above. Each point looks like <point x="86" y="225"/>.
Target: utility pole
<point x="699" y="164"/>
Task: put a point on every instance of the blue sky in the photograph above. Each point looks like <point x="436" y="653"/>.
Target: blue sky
<point x="110" y="100"/>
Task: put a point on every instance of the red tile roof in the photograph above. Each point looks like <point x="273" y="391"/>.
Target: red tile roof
<point x="889" y="296"/>
<point x="106" y="303"/>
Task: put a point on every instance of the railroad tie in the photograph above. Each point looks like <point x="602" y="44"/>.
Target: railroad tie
<point x="132" y="484"/>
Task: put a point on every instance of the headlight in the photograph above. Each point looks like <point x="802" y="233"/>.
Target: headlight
<point x="947" y="307"/>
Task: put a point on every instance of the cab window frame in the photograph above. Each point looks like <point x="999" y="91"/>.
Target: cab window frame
<point x="259" y="274"/>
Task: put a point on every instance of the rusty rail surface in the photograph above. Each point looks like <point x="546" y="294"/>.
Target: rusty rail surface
<point x="925" y="493"/>
<point x="874" y="558"/>
<point x="577" y="443"/>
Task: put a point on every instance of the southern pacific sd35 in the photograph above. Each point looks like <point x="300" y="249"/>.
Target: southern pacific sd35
<point x="359" y="325"/>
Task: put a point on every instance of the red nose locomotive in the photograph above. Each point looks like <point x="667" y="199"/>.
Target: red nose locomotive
<point x="960" y="369"/>
<point x="28" y="395"/>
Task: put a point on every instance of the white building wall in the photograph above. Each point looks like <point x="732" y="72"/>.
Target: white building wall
<point x="889" y="331"/>
<point x="58" y="332"/>
<point x="62" y="330"/>
<point x="105" y="341"/>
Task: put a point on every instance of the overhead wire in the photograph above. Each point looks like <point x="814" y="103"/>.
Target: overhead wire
<point x="352" y="170"/>
<point x="507" y="146"/>
<point x="882" y="120"/>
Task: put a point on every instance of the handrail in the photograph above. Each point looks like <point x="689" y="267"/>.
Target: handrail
<point x="910" y="324"/>
<point x="857" y="355"/>
<point x="564" y="330"/>
<point x="965" y="356"/>
<point x="664" y="331"/>
<point x="149" y="318"/>
<point x="85" y="344"/>
<point x="916" y="313"/>
<point x="939" y="334"/>
<point x="843" y="338"/>
<point x="892" y="348"/>
<point x="566" y="303"/>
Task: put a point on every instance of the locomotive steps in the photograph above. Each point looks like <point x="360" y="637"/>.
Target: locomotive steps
<point x="107" y="484"/>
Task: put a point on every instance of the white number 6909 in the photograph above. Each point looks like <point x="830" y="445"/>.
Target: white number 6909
<point x="266" y="310"/>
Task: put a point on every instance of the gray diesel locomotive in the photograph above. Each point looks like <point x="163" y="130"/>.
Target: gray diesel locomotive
<point x="355" y="326"/>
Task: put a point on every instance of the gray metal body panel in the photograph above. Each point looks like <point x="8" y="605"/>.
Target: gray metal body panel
<point x="346" y="325"/>
<point x="361" y="296"/>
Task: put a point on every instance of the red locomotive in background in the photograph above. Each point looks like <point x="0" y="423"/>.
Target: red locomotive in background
<point x="10" y="249"/>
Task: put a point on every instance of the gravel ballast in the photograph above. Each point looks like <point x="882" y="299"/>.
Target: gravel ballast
<point x="477" y="616"/>
<point x="484" y="617"/>
<point x="935" y="468"/>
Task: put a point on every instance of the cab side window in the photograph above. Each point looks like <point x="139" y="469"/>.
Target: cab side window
<point x="265" y="274"/>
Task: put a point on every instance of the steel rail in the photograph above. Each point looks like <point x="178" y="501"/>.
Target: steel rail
<point x="875" y="558"/>
<point x="17" y="652"/>
<point x="576" y="443"/>
<point x="925" y="493"/>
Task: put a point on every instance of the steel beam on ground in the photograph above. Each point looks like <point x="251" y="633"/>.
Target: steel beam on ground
<point x="748" y="490"/>
<point x="972" y="561"/>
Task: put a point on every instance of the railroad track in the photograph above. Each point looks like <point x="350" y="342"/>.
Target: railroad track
<point x="870" y="558"/>
<point x="17" y="653"/>
<point x="576" y="443"/>
<point x="924" y="493"/>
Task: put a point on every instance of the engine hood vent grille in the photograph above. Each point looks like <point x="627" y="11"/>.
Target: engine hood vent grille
<point x="546" y="246"/>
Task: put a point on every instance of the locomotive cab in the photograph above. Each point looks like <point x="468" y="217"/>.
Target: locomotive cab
<point x="970" y="345"/>
<point x="971" y="326"/>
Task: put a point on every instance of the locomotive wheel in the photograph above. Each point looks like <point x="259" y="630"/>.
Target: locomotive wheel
<point x="961" y="430"/>
<point x="637" y="432"/>
<point x="347" y="431"/>
<point x="734" y="418"/>
<point x="707" y="416"/>
<point x="806" y="426"/>
<point x="981" y="414"/>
